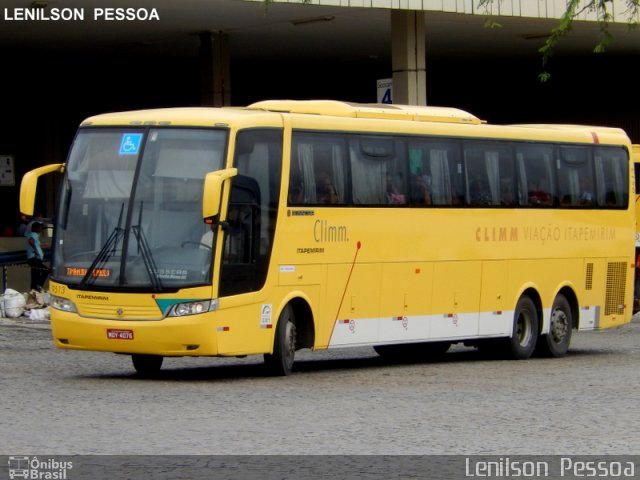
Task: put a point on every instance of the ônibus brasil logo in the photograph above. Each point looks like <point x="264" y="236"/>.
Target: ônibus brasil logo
<point x="38" y="469"/>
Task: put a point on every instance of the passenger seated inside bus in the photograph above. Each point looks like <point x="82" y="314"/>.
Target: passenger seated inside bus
<point x="420" y="190"/>
<point x="507" y="197"/>
<point x="296" y="192"/>
<point x="479" y="193"/>
<point x="583" y="197"/>
<point x="538" y="194"/>
<point x="394" y="190"/>
<point x="325" y="190"/>
<point x="586" y="192"/>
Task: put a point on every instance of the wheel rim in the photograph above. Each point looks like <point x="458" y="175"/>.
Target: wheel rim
<point x="523" y="329"/>
<point x="559" y="325"/>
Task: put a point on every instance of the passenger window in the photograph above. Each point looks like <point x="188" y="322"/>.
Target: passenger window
<point x="436" y="173"/>
<point x="378" y="166"/>
<point x="575" y="178"/>
<point x="534" y="173"/>
<point x="612" y="177"/>
<point x="488" y="175"/>
<point x="318" y="170"/>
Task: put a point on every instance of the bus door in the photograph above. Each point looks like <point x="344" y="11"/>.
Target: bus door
<point x="241" y="238"/>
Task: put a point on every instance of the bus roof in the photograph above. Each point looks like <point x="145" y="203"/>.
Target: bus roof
<point x="361" y="110"/>
<point x="179" y="116"/>
<point x="269" y="113"/>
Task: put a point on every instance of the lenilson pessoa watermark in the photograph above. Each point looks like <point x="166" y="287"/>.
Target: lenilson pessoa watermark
<point x="34" y="468"/>
<point x="79" y="14"/>
<point x="568" y="467"/>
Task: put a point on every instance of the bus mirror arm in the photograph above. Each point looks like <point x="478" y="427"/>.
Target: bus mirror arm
<point x="223" y="224"/>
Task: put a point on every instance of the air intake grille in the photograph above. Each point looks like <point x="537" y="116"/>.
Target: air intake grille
<point x="588" y="282"/>
<point x="616" y="280"/>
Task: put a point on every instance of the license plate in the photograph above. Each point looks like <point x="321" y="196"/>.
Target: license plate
<point x="113" y="334"/>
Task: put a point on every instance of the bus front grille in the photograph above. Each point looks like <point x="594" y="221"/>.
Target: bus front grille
<point x="120" y="313"/>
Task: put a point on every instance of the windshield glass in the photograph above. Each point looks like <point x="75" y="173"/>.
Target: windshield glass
<point x="131" y="209"/>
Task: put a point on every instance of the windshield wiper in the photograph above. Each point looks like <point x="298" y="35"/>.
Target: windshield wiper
<point x="105" y="253"/>
<point x="147" y="257"/>
<point x="145" y="252"/>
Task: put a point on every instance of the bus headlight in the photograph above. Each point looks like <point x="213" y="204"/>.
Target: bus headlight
<point x="191" y="308"/>
<point x="63" y="304"/>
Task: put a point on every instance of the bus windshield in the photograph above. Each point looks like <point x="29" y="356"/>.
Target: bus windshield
<point x="131" y="209"/>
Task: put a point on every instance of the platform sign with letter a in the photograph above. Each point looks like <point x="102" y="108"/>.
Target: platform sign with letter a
<point x="385" y="90"/>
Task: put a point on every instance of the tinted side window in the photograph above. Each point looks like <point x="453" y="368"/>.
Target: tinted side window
<point x="575" y="178"/>
<point x="378" y="166"/>
<point x="534" y="174"/>
<point x="435" y="169"/>
<point x="488" y="174"/>
<point x="612" y="177"/>
<point x="319" y="172"/>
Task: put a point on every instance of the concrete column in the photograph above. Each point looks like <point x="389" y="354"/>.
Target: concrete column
<point x="408" y="57"/>
<point x="214" y="69"/>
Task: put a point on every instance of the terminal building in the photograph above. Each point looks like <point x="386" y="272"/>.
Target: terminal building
<point x="66" y="60"/>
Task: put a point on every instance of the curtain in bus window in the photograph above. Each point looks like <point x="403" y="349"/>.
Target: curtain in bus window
<point x="545" y="185"/>
<point x="601" y="182"/>
<point x="337" y="160"/>
<point x="368" y="174"/>
<point x="103" y="151"/>
<point x="109" y="175"/>
<point x="523" y="193"/>
<point x="440" y="177"/>
<point x="491" y="161"/>
<point x="108" y="184"/>
<point x="305" y="165"/>
<point x="188" y="160"/>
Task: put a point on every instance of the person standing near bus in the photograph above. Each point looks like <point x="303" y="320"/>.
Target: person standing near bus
<point x="35" y="257"/>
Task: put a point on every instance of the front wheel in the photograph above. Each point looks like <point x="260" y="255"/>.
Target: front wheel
<point x="147" y="365"/>
<point x="280" y="362"/>
<point x="522" y="342"/>
<point x="556" y="342"/>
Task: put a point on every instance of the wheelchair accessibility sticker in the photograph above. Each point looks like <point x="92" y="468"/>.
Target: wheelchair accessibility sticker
<point x="130" y="144"/>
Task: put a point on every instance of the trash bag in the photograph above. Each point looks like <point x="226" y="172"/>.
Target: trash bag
<point x="38" y="314"/>
<point x="14" y="303"/>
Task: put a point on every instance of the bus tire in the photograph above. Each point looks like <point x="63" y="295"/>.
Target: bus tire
<point x="280" y="362"/>
<point x="147" y="365"/>
<point x="556" y="342"/>
<point x="522" y="342"/>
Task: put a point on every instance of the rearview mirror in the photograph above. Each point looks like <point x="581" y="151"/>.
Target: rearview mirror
<point x="30" y="183"/>
<point x="212" y="193"/>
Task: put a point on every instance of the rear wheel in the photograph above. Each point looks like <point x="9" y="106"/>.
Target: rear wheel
<point x="147" y="365"/>
<point x="280" y="362"/>
<point x="556" y="342"/>
<point x="522" y="342"/>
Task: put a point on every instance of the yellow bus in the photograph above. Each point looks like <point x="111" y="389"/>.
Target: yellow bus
<point x="320" y="224"/>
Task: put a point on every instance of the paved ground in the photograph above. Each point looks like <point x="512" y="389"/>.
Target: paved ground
<point x="338" y="402"/>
